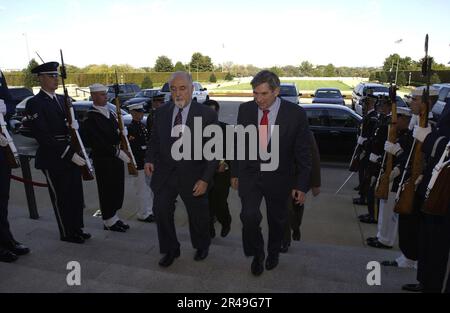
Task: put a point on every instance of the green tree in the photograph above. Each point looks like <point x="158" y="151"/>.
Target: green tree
<point x="383" y="78"/>
<point x="163" y="64"/>
<point x="228" y="77"/>
<point x="147" y="83"/>
<point x="434" y="79"/>
<point x="329" y="71"/>
<point x="404" y="64"/>
<point x="201" y="63"/>
<point x="179" y="67"/>
<point x="277" y="70"/>
<point x="401" y="79"/>
<point x="306" y="69"/>
<point x="212" y="78"/>
<point x="30" y="79"/>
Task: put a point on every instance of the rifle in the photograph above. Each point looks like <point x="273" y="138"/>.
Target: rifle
<point x="124" y="143"/>
<point x="382" y="187"/>
<point x="407" y="190"/>
<point x="75" y="139"/>
<point x="437" y="197"/>
<point x="12" y="156"/>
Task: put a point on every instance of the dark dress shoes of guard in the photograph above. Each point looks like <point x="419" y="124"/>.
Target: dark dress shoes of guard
<point x="271" y="261"/>
<point x="201" y="254"/>
<point x="86" y="236"/>
<point x="413" y="287"/>
<point x="75" y="238"/>
<point x="285" y="247"/>
<point x="375" y="243"/>
<point x="359" y="201"/>
<point x="116" y="227"/>
<point x="18" y="249"/>
<point x="258" y="265"/>
<point x="368" y="220"/>
<point x="168" y="259"/>
<point x="123" y="225"/>
<point x="7" y="256"/>
<point x="148" y="219"/>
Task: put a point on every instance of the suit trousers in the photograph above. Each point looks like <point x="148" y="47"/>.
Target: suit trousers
<point x="110" y="175"/>
<point x="5" y="234"/>
<point x="294" y="220"/>
<point x="251" y="217"/>
<point x="66" y="193"/>
<point x="218" y="199"/>
<point x="144" y="195"/>
<point x="408" y="231"/>
<point x="164" y="209"/>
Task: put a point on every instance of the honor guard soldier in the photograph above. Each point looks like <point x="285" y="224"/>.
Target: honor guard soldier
<point x="10" y="249"/>
<point x="102" y="129"/>
<point x="138" y="137"/>
<point x="55" y="156"/>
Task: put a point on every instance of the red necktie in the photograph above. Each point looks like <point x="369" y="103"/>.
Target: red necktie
<point x="264" y="129"/>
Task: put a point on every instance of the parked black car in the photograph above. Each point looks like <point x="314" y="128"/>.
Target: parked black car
<point x="328" y="95"/>
<point x="335" y="128"/>
<point x="126" y="92"/>
<point x="145" y="95"/>
<point x="19" y="94"/>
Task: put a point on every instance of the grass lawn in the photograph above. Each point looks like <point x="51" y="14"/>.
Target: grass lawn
<point x="301" y="85"/>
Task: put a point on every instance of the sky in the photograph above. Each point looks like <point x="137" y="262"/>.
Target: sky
<point x="262" y="33"/>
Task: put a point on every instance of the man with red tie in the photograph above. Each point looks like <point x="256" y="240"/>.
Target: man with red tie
<point x="283" y="131"/>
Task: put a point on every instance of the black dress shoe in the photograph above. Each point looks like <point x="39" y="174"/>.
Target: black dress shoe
<point x="369" y="239"/>
<point x="363" y="216"/>
<point x="368" y="220"/>
<point x="73" y="239"/>
<point x="148" y="219"/>
<point x="390" y="263"/>
<point x="296" y="234"/>
<point x="356" y="188"/>
<point x="225" y="231"/>
<point x="116" y="227"/>
<point x="201" y="254"/>
<point x="284" y="247"/>
<point x="19" y="249"/>
<point x="123" y="225"/>
<point x="168" y="259"/>
<point x="258" y="265"/>
<point x="413" y="287"/>
<point x="86" y="236"/>
<point x="359" y="201"/>
<point x="212" y="231"/>
<point x="7" y="256"/>
<point x="271" y="262"/>
<point x="377" y="244"/>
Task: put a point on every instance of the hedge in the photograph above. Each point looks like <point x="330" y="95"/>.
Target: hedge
<point x="416" y="76"/>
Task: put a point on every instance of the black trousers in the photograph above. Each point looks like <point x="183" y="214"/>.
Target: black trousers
<point x="66" y="193"/>
<point x="251" y="217"/>
<point x="5" y="233"/>
<point x="372" y="201"/>
<point x="408" y="231"/>
<point x="218" y="199"/>
<point x="110" y="175"/>
<point x="295" y="218"/>
<point x="164" y="209"/>
<point x="361" y="176"/>
<point x="434" y="247"/>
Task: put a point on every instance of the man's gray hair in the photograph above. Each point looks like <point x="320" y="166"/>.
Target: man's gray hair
<point x="185" y="75"/>
<point x="268" y="77"/>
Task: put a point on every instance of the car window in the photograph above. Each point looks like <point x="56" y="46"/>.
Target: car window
<point x="376" y="89"/>
<point x="443" y="93"/>
<point x="165" y="88"/>
<point x="136" y="88"/>
<point x="400" y="102"/>
<point x="328" y="94"/>
<point x="288" y="91"/>
<point x="340" y="118"/>
<point x="317" y="117"/>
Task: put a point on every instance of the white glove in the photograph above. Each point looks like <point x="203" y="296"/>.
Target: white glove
<point x="374" y="158"/>
<point x="361" y="140"/>
<point x="394" y="149"/>
<point x="125" y="132"/>
<point x="3" y="141"/>
<point x="75" y="125"/>
<point x="394" y="174"/>
<point x="421" y="133"/>
<point x="413" y="122"/>
<point x="2" y="107"/>
<point x="78" y="160"/>
<point x="124" y="157"/>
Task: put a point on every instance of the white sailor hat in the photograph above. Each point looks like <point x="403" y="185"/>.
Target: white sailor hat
<point x="418" y="91"/>
<point x="139" y="107"/>
<point x="404" y="111"/>
<point x="98" y="88"/>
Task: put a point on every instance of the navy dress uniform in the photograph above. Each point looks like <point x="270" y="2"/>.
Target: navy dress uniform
<point x="55" y="157"/>
<point x="138" y="136"/>
<point x="102" y="129"/>
<point x="10" y="249"/>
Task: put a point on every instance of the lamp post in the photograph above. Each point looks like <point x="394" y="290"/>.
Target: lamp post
<point x="28" y="50"/>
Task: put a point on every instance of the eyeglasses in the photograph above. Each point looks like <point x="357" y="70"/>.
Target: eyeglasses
<point x="55" y="75"/>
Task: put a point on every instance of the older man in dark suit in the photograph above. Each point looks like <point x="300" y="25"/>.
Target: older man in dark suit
<point x="189" y="177"/>
<point x="292" y="146"/>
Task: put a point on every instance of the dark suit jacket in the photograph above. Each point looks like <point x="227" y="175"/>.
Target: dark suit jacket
<point x="160" y="145"/>
<point x="50" y="129"/>
<point x="294" y="151"/>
